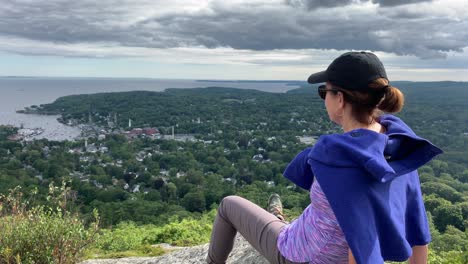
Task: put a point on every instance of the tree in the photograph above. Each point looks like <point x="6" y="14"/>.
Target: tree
<point x="442" y="190"/>
<point x="195" y="177"/>
<point x="169" y="192"/>
<point x="452" y="239"/>
<point x="432" y="202"/>
<point x="56" y="171"/>
<point x="96" y="170"/>
<point x="464" y="208"/>
<point x="114" y="171"/>
<point x="464" y="176"/>
<point x="158" y="183"/>
<point x="194" y="201"/>
<point x="112" y="195"/>
<point x="152" y="196"/>
<point x="439" y="166"/>
<point x="448" y="215"/>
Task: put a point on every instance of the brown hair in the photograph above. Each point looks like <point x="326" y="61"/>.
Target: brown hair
<point x="379" y="98"/>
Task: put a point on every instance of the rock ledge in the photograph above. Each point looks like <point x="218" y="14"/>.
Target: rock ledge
<point x="243" y="253"/>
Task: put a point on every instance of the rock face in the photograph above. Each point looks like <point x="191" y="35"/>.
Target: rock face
<point x="242" y="253"/>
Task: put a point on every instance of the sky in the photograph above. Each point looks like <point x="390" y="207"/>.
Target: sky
<point x="417" y="40"/>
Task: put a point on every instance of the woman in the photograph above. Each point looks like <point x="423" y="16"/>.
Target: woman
<point x="366" y="203"/>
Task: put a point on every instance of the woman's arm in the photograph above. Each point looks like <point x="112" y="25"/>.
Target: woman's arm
<point x="351" y="259"/>
<point x="419" y="255"/>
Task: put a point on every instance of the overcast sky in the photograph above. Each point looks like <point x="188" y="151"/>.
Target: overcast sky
<point x="230" y="39"/>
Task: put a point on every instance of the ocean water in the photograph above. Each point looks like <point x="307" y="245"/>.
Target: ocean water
<point x="17" y="93"/>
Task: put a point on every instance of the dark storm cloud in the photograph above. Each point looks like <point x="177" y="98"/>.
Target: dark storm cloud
<point x="398" y="2"/>
<point x="281" y="30"/>
<point x="242" y="30"/>
<point x="251" y="27"/>
<point x="314" y="4"/>
<point x="57" y="21"/>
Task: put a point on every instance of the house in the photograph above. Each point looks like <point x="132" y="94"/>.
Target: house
<point x="45" y="150"/>
<point x="86" y="159"/>
<point x="257" y="158"/>
<point x="103" y="149"/>
<point x="231" y="180"/>
<point x="147" y="131"/>
<point x="15" y="137"/>
<point x="77" y="174"/>
<point x="136" y="188"/>
<point x="150" y="131"/>
<point x="91" y="148"/>
<point x="97" y="184"/>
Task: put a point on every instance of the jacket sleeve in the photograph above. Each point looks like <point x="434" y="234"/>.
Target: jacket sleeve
<point x="417" y="225"/>
<point x="299" y="171"/>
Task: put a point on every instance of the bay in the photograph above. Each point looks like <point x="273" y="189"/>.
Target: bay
<point x="19" y="92"/>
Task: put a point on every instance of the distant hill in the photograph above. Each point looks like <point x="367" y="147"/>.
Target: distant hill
<point x="302" y="90"/>
<point x="436" y="93"/>
<point x="287" y="82"/>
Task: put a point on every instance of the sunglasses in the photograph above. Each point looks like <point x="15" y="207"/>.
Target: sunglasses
<point x="322" y="91"/>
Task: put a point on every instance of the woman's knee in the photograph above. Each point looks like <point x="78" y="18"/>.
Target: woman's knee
<point x="228" y="203"/>
<point x="229" y="200"/>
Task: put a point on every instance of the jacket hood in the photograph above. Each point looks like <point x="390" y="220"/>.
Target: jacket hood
<point x="383" y="155"/>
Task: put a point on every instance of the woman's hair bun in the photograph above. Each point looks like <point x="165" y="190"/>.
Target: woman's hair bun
<point x="393" y="100"/>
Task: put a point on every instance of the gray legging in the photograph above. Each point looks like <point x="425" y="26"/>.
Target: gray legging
<point x="256" y="225"/>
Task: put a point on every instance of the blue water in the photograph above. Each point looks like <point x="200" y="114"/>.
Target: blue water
<point x="17" y="93"/>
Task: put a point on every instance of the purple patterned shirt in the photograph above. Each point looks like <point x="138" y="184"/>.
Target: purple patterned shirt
<point x="314" y="237"/>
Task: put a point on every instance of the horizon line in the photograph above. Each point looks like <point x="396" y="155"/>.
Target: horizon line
<point x="187" y="79"/>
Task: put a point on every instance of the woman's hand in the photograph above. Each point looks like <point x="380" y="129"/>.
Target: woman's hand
<point x="419" y="255"/>
<point x="351" y="259"/>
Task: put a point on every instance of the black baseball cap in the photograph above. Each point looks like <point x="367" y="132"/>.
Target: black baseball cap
<point x="352" y="71"/>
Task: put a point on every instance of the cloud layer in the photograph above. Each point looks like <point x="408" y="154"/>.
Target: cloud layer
<point x="424" y="28"/>
<point x="398" y="2"/>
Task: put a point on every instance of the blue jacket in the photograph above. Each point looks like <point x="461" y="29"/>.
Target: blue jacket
<point x="371" y="182"/>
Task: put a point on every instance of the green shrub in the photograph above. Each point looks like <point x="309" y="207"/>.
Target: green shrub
<point x="187" y="232"/>
<point x="41" y="234"/>
<point x="125" y="236"/>
<point x="128" y="239"/>
<point x="448" y="257"/>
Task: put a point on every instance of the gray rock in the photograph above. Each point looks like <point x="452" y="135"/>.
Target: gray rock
<point x="243" y="253"/>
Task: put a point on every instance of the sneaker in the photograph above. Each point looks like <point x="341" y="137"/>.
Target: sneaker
<point x="275" y="207"/>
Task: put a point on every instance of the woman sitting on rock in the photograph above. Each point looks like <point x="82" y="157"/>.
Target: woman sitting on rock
<point x="366" y="203"/>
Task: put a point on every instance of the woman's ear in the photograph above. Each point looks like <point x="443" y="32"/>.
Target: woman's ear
<point x="339" y="107"/>
<point x="341" y="101"/>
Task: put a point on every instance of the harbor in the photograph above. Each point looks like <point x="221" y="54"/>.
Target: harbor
<point x="19" y="93"/>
